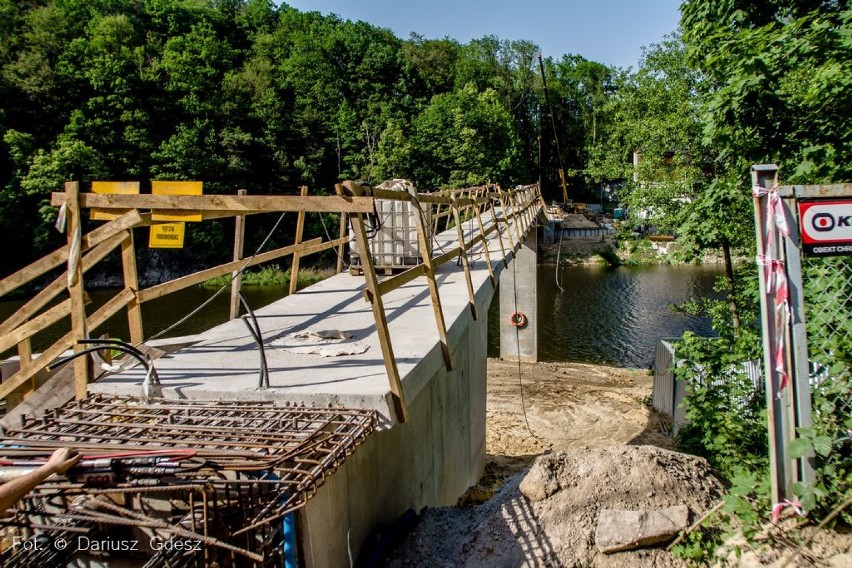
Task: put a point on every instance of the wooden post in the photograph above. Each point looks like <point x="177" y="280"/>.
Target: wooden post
<point x="131" y="281"/>
<point x="465" y="262"/>
<point x="75" y="288"/>
<point x="236" y="276"/>
<point x="341" y="248"/>
<point x="530" y="199"/>
<point x="516" y="223"/>
<point x="509" y="227"/>
<point x="484" y="240"/>
<point x="25" y="356"/>
<point x="372" y="282"/>
<point x="424" y="238"/>
<point x="449" y="217"/>
<point x="437" y="218"/>
<point x="25" y="352"/>
<point x="300" y="230"/>
<point x="520" y="211"/>
<point x="499" y="232"/>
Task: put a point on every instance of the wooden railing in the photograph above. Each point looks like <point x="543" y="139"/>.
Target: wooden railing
<point x="518" y="209"/>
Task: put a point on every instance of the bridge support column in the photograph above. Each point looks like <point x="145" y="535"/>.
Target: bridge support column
<point x="519" y="300"/>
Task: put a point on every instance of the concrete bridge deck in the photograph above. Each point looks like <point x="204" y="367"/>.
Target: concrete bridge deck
<point x="223" y="362"/>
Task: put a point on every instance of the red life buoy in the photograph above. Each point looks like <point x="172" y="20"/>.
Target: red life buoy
<point x="518" y="319"/>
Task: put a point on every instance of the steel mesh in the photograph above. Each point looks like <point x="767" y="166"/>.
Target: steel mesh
<point x="245" y="465"/>
<point x="827" y="284"/>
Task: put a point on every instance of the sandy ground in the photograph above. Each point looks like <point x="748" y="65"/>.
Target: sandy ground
<point x="597" y="441"/>
<point x="581" y="438"/>
<point x="567" y="405"/>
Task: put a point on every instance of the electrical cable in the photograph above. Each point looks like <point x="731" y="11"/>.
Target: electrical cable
<point x="224" y="286"/>
<point x="59" y="362"/>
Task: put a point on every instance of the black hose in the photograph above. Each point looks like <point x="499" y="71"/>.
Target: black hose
<point x="129" y="347"/>
<point x="254" y="330"/>
<point x="133" y="353"/>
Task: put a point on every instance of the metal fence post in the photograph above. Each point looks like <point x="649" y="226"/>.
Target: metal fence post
<point x="778" y="402"/>
<point x="800" y="364"/>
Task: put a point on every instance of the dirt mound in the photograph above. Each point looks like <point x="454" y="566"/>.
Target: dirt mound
<point x="548" y="516"/>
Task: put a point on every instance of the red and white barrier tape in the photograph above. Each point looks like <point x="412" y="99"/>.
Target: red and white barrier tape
<point x="775" y="276"/>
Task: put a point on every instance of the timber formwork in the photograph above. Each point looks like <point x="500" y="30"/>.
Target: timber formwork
<point x="228" y="472"/>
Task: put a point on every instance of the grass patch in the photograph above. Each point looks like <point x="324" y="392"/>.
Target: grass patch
<point x="272" y="275"/>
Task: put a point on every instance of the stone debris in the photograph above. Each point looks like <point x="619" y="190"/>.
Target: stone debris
<point x="625" y="530"/>
<point x="548" y="516"/>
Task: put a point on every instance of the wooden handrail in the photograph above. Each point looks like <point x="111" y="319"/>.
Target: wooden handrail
<point x="238" y="205"/>
<point x="517" y="214"/>
<point x="13" y="383"/>
<point x="50" y="291"/>
<point x="30" y="328"/>
<point x="160" y="290"/>
<point x="60" y="255"/>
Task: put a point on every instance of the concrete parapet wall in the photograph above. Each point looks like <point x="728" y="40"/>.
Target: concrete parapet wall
<point x="428" y="461"/>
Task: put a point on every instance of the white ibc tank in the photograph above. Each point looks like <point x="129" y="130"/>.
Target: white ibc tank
<point x="393" y="230"/>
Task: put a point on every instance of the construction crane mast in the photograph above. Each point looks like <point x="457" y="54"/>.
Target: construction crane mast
<point x="555" y="135"/>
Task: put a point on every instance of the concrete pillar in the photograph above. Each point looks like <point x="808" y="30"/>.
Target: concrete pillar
<point x="518" y="293"/>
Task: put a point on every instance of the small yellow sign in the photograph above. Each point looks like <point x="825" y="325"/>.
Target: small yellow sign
<point x="166" y="235"/>
<point x="176" y="188"/>
<point x="115" y="188"/>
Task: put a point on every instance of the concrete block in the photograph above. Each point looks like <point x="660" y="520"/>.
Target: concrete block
<point x="624" y="530"/>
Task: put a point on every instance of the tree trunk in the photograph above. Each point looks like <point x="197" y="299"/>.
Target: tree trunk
<point x="729" y="276"/>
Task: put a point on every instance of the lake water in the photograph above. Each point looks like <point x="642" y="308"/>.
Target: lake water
<point x="610" y="315"/>
<point x="605" y="315"/>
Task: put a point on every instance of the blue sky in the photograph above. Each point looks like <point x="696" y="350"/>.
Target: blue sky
<point x="609" y="31"/>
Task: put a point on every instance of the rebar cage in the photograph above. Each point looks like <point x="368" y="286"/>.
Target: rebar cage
<point x="194" y="483"/>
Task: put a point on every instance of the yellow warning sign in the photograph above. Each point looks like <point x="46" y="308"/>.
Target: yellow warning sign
<point x="166" y="235"/>
<point x="115" y="188"/>
<point x="176" y="188"/>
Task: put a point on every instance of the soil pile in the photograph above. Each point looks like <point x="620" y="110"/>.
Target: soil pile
<point x="548" y="516"/>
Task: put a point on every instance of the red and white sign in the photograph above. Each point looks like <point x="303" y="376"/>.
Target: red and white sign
<point x="826" y="227"/>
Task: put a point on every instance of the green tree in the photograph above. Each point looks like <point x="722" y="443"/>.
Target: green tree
<point x="655" y="114"/>
<point x="780" y="73"/>
<point x="579" y="92"/>
<point x="464" y="138"/>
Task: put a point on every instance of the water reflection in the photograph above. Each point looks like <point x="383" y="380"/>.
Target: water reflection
<point x="612" y="315"/>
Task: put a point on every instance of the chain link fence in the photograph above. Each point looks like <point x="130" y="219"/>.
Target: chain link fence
<point x="827" y="289"/>
<point x="827" y="286"/>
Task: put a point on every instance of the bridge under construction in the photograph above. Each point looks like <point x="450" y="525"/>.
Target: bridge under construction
<point x="332" y="410"/>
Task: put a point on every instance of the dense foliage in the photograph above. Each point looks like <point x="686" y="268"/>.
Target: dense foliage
<point x="776" y="78"/>
<point x="247" y="94"/>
